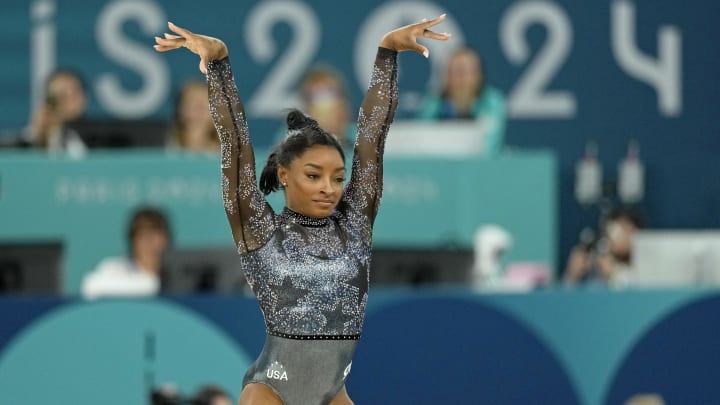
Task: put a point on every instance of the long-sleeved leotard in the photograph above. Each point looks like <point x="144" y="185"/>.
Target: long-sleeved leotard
<point x="310" y="275"/>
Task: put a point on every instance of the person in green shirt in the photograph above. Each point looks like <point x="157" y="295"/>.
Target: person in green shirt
<point x="465" y="94"/>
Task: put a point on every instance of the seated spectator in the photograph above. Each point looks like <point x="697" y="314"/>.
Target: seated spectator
<point x="137" y="274"/>
<point x="11" y="279"/>
<point x="607" y="260"/>
<point x="324" y="96"/>
<point x="465" y="94"/>
<point x="211" y="395"/>
<point x="64" y="101"/>
<point x="192" y="127"/>
<point x="646" y="399"/>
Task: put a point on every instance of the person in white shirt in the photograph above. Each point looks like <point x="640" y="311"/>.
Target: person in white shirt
<point x="138" y="274"/>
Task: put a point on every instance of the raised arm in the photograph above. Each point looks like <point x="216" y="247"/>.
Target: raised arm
<point x="250" y="217"/>
<point x="364" y="190"/>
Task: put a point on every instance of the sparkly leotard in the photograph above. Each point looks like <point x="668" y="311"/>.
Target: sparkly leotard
<point x="309" y="275"/>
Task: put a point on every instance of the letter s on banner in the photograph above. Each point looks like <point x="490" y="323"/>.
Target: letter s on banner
<point x="138" y="57"/>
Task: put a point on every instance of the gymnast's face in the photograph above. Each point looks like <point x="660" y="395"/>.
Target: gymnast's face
<point x="314" y="181"/>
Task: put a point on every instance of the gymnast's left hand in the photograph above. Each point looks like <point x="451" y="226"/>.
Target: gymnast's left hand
<point x="405" y="38"/>
<point x="207" y="48"/>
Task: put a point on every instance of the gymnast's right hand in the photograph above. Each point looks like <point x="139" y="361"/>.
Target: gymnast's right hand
<point x="208" y="48"/>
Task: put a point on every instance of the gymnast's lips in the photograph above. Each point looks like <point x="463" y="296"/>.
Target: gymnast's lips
<point x="324" y="203"/>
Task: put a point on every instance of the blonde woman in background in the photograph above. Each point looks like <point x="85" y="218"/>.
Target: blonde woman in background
<point x="466" y="95"/>
<point x="192" y="128"/>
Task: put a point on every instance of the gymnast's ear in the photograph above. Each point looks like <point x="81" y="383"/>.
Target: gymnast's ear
<point x="282" y="174"/>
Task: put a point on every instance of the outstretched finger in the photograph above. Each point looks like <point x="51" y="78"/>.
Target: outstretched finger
<point x="170" y="36"/>
<point x="178" y="30"/>
<point x="422" y="50"/>
<point x="173" y="42"/>
<point x="163" y="48"/>
<point x="440" y="36"/>
<point x="433" y="22"/>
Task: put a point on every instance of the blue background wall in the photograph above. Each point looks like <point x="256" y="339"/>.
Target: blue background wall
<point x="419" y="347"/>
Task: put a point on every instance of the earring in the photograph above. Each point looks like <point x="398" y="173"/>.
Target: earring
<point x="284" y="184"/>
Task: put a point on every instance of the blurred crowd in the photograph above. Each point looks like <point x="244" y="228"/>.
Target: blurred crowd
<point x="61" y="125"/>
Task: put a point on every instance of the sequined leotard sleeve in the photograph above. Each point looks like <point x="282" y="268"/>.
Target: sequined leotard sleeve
<point x="364" y="190"/>
<point x="250" y="217"/>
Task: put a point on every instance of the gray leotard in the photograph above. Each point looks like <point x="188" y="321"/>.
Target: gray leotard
<point x="309" y="275"/>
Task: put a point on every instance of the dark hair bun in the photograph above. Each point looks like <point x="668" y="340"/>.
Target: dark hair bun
<point x="297" y="120"/>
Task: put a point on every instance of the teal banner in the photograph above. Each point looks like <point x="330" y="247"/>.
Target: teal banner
<point x="427" y="204"/>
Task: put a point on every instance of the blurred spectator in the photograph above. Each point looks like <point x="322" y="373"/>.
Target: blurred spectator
<point x="138" y="274"/>
<point x="645" y="399"/>
<point x="166" y="394"/>
<point x="64" y="101"/>
<point x="192" y="127"/>
<point x="324" y="96"/>
<point x="205" y="395"/>
<point x="607" y="260"/>
<point x="211" y="395"/>
<point x="465" y="94"/>
<point x="10" y="277"/>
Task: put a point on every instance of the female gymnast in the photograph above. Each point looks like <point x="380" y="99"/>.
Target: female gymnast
<point x="308" y="265"/>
